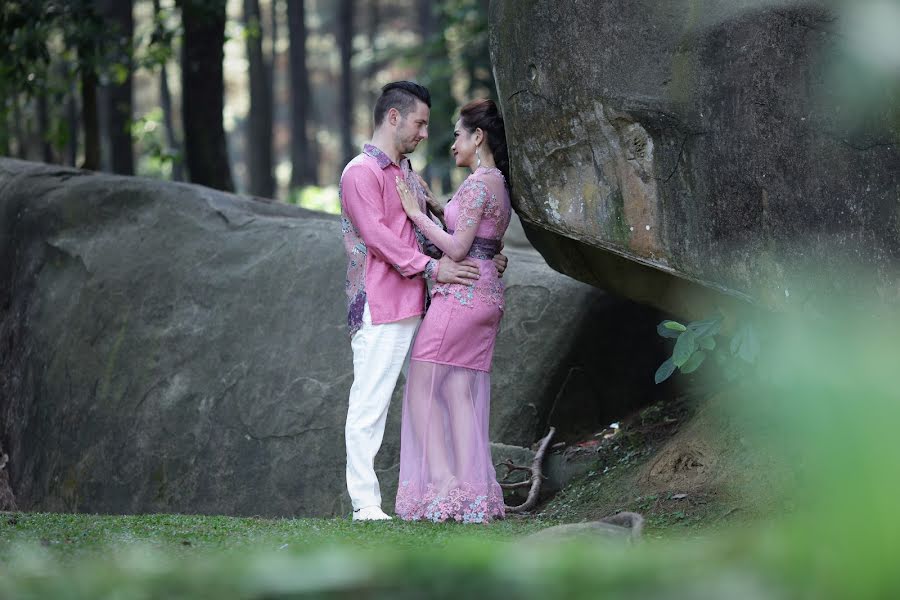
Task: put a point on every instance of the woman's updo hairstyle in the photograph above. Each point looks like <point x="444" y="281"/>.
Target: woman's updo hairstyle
<point x="484" y="114"/>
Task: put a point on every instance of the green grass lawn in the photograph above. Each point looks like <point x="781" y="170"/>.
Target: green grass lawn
<point x="189" y="556"/>
<point x="175" y="556"/>
<point x="76" y="535"/>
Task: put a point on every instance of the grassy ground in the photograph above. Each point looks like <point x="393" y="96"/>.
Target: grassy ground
<point x="69" y="535"/>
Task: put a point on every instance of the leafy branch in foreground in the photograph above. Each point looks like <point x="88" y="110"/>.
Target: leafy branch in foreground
<point x="697" y="340"/>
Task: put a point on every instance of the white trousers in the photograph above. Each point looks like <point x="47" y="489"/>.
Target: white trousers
<point x="379" y="352"/>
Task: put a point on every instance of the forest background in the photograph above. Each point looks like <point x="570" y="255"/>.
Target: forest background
<point x="268" y="98"/>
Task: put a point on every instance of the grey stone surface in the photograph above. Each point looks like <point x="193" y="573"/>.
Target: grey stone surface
<point x="7" y="499"/>
<point x="169" y="348"/>
<point x="621" y="526"/>
<point x="669" y="149"/>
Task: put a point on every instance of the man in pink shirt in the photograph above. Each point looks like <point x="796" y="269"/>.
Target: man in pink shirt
<point x="386" y="275"/>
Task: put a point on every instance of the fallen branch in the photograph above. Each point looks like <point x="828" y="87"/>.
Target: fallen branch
<point x="518" y="484"/>
<point x="536" y="476"/>
<point x="510" y="466"/>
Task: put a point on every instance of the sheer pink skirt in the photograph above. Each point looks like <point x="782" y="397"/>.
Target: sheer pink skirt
<point x="445" y="457"/>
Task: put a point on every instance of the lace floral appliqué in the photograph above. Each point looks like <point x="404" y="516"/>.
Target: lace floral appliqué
<point x="466" y="503"/>
<point x="472" y="196"/>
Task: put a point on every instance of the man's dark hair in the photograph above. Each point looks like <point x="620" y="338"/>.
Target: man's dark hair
<point x="401" y="95"/>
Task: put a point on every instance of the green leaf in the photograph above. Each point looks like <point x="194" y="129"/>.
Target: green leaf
<point x="665" y="332"/>
<point x="745" y="344"/>
<point x="706" y="327"/>
<point x="707" y="343"/>
<point x="664" y="371"/>
<point x="694" y="362"/>
<point x="674" y="326"/>
<point x="684" y="347"/>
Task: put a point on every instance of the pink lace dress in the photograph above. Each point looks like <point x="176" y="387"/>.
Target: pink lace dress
<point x="445" y="459"/>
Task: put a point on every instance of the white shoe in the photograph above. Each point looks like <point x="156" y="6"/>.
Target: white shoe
<point x="370" y="513"/>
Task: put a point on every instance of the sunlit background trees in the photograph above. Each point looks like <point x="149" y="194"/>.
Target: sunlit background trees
<point x="264" y="97"/>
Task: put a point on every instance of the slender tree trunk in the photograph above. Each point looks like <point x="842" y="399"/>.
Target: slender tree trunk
<point x="72" y="124"/>
<point x="165" y="102"/>
<point x="43" y="122"/>
<point x="103" y="118"/>
<point x="345" y="45"/>
<point x="372" y="71"/>
<point x="90" y="120"/>
<point x="259" y="123"/>
<point x="203" y="90"/>
<point x="174" y="146"/>
<point x="4" y="134"/>
<point x="436" y="58"/>
<point x="303" y="163"/>
<point x="273" y="37"/>
<point x="118" y="96"/>
<point x="19" y="129"/>
<point x="275" y="77"/>
<point x="427" y="21"/>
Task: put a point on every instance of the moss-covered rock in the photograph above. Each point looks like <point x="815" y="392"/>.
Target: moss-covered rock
<point x="682" y="152"/>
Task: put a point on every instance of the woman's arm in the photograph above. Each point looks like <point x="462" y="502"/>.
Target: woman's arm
<point x="471" y="198"/>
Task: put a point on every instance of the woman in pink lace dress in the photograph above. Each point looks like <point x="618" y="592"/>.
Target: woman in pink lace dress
<point x="445" y="459"/>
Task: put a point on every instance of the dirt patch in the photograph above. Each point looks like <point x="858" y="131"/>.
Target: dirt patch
<point x="683" y="465"/>
<point x="678" y="463"/>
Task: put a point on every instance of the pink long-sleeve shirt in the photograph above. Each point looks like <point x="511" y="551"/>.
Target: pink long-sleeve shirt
<point x="385" y="265"/>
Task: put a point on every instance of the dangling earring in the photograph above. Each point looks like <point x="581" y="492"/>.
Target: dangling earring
<point x="478" y="156"/>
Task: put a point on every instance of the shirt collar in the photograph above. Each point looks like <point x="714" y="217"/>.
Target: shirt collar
<point x="384" y="161"/>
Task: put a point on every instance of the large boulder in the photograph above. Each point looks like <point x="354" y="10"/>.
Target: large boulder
<point x="660" y="149"/>
<point x="7" y="499"/>
<point x="166" y="347"/>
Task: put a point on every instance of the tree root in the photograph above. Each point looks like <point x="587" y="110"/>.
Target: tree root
<point x="537" y="475"/>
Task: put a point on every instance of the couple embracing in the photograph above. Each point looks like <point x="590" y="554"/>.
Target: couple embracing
<point x="396" y="237"/>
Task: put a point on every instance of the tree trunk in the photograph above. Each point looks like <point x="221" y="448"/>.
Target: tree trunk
<point x="203" y="89"/>
<point x="437" y="66"/>
<point x="43" y="122"/>
<point x="103" y="117"/>
<point x="303" y="163"/>
<point x="165" y="102"/>
<point x="372" y="71"/>
<point x="345" y="45"/>
<point x="275" y="77"/>
<point x="118" y="97"/>
<point x="19" y="129"/>
<point x="273" y="39"/>
<point x="90" y="120"/>
<point x="4" y="134"/>
<point x="174" y="146"/>
<point x="72" y="124"/>
<point x="259" y="123"/>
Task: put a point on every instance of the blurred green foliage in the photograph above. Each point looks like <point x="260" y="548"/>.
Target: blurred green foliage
<point x="156" y="158"/>
<point x="36" y="32"/>
<point x="313" y="197"/>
